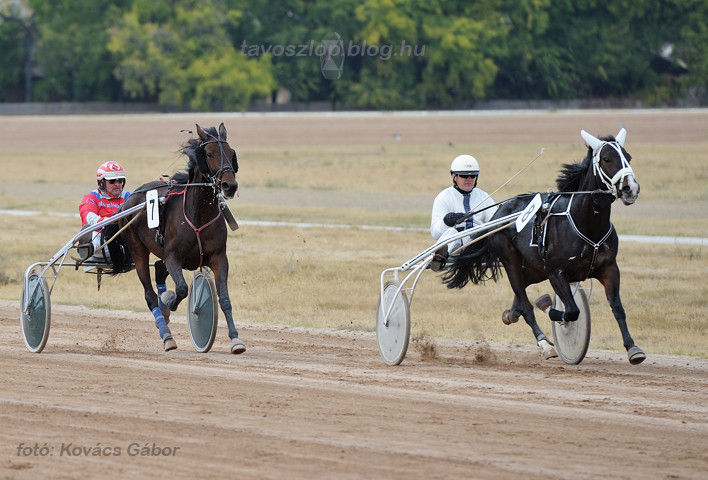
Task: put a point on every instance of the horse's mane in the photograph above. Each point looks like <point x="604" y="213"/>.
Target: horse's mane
<point x="192" y="148"/>
<point x="180" y="178"/>
<point x="572" y="175"/>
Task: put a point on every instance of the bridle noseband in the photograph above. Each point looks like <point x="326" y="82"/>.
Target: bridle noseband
<point x="225" y="166"/>
<point x="622" y="173"/>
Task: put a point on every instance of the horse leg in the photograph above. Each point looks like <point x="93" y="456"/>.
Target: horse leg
<point x="610" y="279"/>
<point x="142" y="267"/>
<point x="170" y="298"/>
<point x="544" y="345"/>
<point x="220" y="267"/>
<point x="512" y="315"/>
<point x="522" y="305"/>
<point x="160" y="283"/>
<point x="562" y="288"/>
<point x="529" y="276"/>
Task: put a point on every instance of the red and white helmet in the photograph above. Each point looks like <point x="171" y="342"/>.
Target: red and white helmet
<point x="109" y="170"/>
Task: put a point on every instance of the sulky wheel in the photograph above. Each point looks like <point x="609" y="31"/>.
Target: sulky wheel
<point x="393" y="336"/>
<point x="35" y="320"/>
<point x="203" y="313"/>
<point x="573" y="338"/>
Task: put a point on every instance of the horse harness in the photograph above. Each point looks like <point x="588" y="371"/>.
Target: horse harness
<point x="211" y="182"/>
<point x="550" y="199"/>
<point x="541" y="226"/>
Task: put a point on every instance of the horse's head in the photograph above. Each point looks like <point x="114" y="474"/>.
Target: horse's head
<point x="611" y="165"/>
<point x="216" y="159"/>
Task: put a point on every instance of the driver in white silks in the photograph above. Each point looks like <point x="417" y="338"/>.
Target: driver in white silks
<point x="453" y="203"/>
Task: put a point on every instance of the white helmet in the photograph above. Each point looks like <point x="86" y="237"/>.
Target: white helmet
<point x="464" y="165"/>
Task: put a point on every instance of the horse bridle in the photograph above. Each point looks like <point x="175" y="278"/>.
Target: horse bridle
<point x="215" y="182"/>
<point x="225" y="166"/>
<point x="622" y="173"/>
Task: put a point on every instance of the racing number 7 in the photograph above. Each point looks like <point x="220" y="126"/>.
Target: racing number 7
<point x="153" y="213"/>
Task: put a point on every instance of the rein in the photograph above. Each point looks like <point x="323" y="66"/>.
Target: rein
<point x="120" y="231"/>
<point x="549" y="192"/>
<point x="473" y="211"/>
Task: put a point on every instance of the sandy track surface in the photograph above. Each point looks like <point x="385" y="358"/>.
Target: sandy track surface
<point x="104" y="401"/>
<point x="322" y="404"/>
<point x="365" y="128"/>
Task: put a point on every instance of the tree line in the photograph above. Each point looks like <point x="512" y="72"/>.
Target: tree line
<point x="365" y="54"/>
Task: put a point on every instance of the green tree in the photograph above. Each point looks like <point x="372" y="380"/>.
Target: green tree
<point x="523" y="65"/>
<point x="690" y="46"/>
<point x="73" y="50"/>
<point x="462" y="38"/>
<point x="18" y="32"/>
<point x="180" y="53"/>
<point x="400" y="54"/>
<point x="302" y="25"/>
<point x="384" y="79"/>
<point x="591" y="48"/>
<point x="438" y="54"/>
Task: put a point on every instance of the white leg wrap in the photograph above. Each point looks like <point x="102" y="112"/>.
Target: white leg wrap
<point x="547" y="350"/>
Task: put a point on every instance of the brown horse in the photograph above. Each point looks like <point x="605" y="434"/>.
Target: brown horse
<point x="192" y="231"/>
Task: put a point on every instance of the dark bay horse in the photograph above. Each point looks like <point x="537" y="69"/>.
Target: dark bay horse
<point x="192" y="231"/>
<point x="571" y="240"/>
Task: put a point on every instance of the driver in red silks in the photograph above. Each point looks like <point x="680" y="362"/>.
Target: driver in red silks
<point x="103" y="202"/>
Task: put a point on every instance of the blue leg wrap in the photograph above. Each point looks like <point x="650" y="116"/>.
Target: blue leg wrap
<point x="161" y="288"/>
<point x="160" y="322"/>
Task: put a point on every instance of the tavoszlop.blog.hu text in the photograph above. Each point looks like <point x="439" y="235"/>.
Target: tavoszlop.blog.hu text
<point x="333" y="49"/>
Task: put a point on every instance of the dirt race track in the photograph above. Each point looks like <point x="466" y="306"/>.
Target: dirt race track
<point x="104" y="401"/>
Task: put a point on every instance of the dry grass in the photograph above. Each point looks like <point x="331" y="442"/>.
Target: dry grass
<point x="673" y="201"/>
<point x="667" y="172"/>
<point x="329" y="277"/>
<point x="404" y="169"/>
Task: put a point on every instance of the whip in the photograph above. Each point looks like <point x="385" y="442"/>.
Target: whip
<point x="472" y="210"/>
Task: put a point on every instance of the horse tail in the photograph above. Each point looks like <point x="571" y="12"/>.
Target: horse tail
<point x="477" y="264"/>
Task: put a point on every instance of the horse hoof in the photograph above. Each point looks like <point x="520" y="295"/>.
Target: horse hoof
<point x="170" y="343"/>
<point x="508" y="318"/>
<point x="165" y="311"/>
<point x="237" y="346"/>
<point x="544" y="303"/>
<point x="636" y="355"/>
<point x="547" y="350"/>
<point x="167" y="298"/>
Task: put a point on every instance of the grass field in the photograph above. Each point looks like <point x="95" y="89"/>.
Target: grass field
<point x="329" y="277"/>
